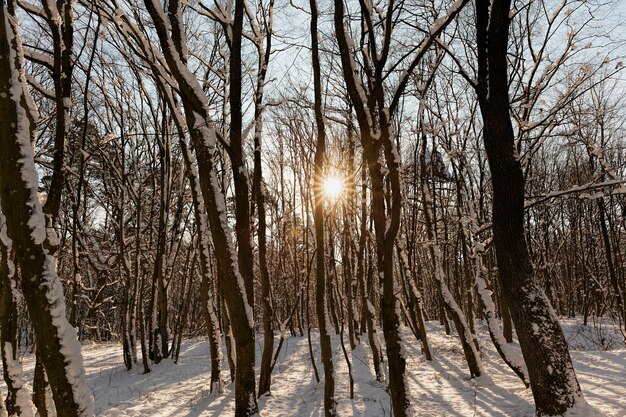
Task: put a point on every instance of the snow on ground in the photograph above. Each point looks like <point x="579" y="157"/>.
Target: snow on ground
<point x="439" y="388"/>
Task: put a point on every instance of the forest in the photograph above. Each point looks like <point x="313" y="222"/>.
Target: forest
<point x="312" y="208"/>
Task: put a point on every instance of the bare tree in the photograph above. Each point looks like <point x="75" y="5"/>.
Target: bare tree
<point x="204" y="139"/>
<point x="552" y="376"/>
<point x="321" y="301"/>
<point x="41" y="285"/>
<point x="375" y="118"/>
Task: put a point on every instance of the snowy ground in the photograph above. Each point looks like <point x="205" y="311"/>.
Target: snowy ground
<point x="439" y="388"/>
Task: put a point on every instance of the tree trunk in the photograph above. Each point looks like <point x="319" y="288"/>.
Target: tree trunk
<point x="41" y="387"/>
<point x="416" y="301"/>
<point x="369" y="311"/>
<point x="608" y="253"/>
<point x="258" y="191"/>
<point x="346" y="262"/>
<point x="321" y="301"/>
<point x="468" y="339"/>
<point x="510" y="357"/>
<point x="41" y="285"/>
<point x="204" y="139"/>
<point x="208" y="306"/>
<point x="243" y="228"/>
<point x="18" y="394"/>
<point x="552" y="376"/>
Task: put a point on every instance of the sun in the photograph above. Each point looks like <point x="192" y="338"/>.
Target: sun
<point x="332" y="187"/>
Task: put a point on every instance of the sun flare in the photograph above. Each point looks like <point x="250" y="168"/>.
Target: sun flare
<point x="333" y="187"/>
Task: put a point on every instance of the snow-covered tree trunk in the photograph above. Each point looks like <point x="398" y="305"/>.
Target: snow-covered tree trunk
<point x="369" y="94"/>
<point x="208" y="306"/>
<point x="387" y="225"/>
<point x="41" y="285"/>
<point x="243" y="224"/>
<point x="468" y="339"/>
<point x="159" y="334"/>
<point x="60" y="19"/>
<point x="414" y="293"/>
<point x="239" y="310"/>
<point x="375" y="139"/>
<point x="552" y="376"/>
<point x="510" y="357"/>
<point x="59" y="16"/>
<point x="18" y="401"/>
<point x="204" y="139"/>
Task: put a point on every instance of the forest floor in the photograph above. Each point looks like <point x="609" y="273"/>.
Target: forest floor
<point x="438" y="388"/>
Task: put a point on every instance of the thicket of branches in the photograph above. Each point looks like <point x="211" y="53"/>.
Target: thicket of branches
<point x="182" y="151"/>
